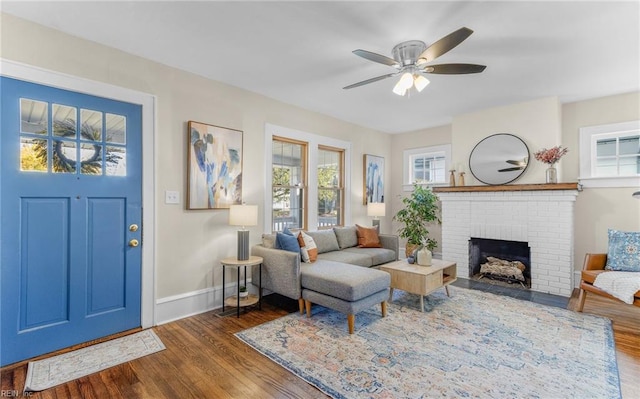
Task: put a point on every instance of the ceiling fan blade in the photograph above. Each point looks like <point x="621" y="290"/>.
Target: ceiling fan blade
<point x="445" y="44"/>
<point x="364" y="82"/>
<point x="454" y="69"/>
<point x="381" y="59"/>
<point x="517" y="163"/>
<point x="510" y="169"/>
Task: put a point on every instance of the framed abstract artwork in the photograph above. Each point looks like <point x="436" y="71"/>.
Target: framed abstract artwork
<point x="373" y="179"/>
<point x="214" y="170"/>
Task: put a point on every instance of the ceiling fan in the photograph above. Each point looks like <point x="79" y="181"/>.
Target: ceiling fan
<point x="410" y="59"/>
<point x="519" y="165"/>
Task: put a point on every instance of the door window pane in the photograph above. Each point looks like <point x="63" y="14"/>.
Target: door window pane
<point x="64" y="156"/>
<point x="64" y="121"/>
<point x="116" y="129"/>
<point x="116" y="161"/>
<point x="91" y="125"/>
<point x="34" y="116"/>
<point x="90" y="159"/>
<point x="33" y="154"/>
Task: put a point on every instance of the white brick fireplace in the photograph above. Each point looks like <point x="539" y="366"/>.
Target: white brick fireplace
<point x="542" y="215"/>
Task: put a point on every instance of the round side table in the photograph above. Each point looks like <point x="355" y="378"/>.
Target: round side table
<point x="236" y="300"/>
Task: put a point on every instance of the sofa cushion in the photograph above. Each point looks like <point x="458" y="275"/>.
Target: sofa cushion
<point x="308" y="248"/>
<point x="624" y="251"/>
<point x="346" y="282"/>
<point x="269" y="240"/>
<point x="368" y="237"/>
<point x="347" y="236"/>
<point x="377" y="256"/>
<point x="287" y="242"/>
<point x="347" y="257"/>
<point x="326" y="240"/>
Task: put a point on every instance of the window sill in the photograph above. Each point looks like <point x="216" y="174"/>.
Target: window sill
<point x="603" y="182"/>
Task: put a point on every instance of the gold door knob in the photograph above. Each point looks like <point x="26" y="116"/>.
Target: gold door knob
<point x="133" y="243"/>
<point x="133" y="227"/>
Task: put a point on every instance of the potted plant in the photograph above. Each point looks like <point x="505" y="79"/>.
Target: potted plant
<point x="420" y="210"/>
<point x="243" y="292"/>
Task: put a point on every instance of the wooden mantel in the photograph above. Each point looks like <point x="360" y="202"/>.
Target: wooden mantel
<point x="507" y="187"/>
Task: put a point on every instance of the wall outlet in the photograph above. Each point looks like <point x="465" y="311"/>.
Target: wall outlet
<point x="171" y="197"/>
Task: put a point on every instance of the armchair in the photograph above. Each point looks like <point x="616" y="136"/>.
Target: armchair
<point x="593" y="265"/>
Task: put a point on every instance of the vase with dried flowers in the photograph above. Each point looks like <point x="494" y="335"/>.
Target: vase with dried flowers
<point x="550" y="157"/>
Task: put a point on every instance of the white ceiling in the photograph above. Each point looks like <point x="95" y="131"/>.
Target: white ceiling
<point x="300" y="52"/>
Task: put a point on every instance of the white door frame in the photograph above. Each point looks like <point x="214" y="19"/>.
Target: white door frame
<point x="148" y="102"/>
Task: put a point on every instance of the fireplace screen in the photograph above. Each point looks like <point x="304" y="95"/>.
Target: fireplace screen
<point x="500" y="260"/>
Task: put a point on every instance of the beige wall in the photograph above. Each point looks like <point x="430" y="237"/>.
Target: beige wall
<point x="189" y="244"/>
<point x="598" y="209"/>
<point x="536" y="122"/>
<point x="421" y="138"/>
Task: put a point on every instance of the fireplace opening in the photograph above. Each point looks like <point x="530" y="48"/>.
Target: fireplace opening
<point x="500" y="261"/>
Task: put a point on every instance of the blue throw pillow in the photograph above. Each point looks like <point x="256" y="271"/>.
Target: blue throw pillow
<point x="624" y="251"/>
<point x="287" y="242"/>
<point x="287" y="232"/>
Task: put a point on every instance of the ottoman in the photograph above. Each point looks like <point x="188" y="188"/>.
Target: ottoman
<point x="345" y="288"/>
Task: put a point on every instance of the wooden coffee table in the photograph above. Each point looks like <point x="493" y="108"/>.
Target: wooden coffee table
<point x="420" y="280"/>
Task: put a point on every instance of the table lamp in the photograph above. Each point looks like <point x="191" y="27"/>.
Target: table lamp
<point x="376" y="209"/>
<point x="243" y="215"/>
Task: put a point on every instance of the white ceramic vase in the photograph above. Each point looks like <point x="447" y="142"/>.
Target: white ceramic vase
<point x="424" y="257"/>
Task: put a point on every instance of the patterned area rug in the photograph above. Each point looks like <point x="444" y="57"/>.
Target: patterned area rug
<point x="57" y="370"/>
<point x="472" y="345"/>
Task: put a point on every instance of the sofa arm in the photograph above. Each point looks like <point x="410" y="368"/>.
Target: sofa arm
<point x="390" y="241"/>
<point x="594" y="262"/>
<point x="280" y="271"/>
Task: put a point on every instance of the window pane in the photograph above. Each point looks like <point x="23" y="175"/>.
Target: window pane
<point x="64" y="156"/>
<point x="287" y="208"/>
<point x="33" y="116"/>
<point x="329" y="208"/>
<point x="116" y="161"/>
<point x="91" y="125"/>
<point x="606" y="147"/>
<point x="330" y="191"/>
<point x="116" y="129"/>
<point x="64" y="121"/>
<point x="629" y="145"/>
<point x="33" y="154"/>
<point x="629" y="166"/>
<point x="606" y="167"/>
<point x="288" y="191"/>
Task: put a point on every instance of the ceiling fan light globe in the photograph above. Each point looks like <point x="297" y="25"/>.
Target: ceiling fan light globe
<point x="406" y="80"/>
<point x="420" y="82"/>
<point x="399" y="89"/>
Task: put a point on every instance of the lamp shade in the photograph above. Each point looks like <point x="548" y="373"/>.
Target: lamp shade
<point x="243" y="215"/>
<point x="375" y="209"/>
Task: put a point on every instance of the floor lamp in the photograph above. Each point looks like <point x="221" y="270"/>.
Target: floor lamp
<point x="243" y="215"/>
<point x="376" y="209"/>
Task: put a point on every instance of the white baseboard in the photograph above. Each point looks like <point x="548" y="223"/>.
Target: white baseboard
<point x="179" y="306"/>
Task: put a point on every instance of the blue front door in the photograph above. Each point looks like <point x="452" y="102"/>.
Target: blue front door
<point x="70" y="202"/>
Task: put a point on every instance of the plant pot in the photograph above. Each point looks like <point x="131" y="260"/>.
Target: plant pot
<point x="409" y="249"/>
<point x="243" y="294"/>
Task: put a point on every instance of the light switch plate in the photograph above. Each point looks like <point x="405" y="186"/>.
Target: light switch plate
<point x="171" y="197"/>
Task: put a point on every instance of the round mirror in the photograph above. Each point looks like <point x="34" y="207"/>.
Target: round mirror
<point x="499" y="159"/>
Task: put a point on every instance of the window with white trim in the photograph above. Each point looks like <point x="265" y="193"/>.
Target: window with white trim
<point x="426" y="165"/>
<point x="610" y="155"/>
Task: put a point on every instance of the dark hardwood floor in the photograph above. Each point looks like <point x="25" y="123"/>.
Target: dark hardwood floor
<point x="203" y="359"/>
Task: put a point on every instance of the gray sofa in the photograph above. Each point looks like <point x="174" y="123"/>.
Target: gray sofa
<point x="282" y="270"/>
